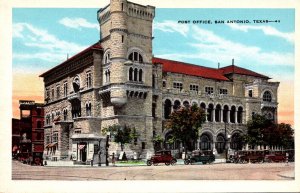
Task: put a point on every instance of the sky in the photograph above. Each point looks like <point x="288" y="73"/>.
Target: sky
<point x="43" y="38"/>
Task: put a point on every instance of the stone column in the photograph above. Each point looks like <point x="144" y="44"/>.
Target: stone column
<point x="236" y="114"/>
<point x="221" y="115"/>
<point x="213" y="115"/>
<point x="228" y="116"/>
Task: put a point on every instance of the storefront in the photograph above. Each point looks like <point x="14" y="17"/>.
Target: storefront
<point x="87" y="148"/>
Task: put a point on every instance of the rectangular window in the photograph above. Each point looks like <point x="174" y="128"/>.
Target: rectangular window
<point x="47" y="94"/>
<point x="164" y="84"/>
<point x="177" y="85"/>
<point x="89" y="79"/>
<point x="122" y="39"/>
<point x="194" y="87"/>
<point x="57" y="91"/>
<point x="52" y="93"/>
<point x="65" y="89"/>
<point x="55" y="137"/>
<point x="209" y="90"/>
<point x="223" y="91"/>
<point x="48" y="139"/>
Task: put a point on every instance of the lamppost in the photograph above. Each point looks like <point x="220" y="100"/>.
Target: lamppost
<point x="107" y="146"/>
<point x="226" y="151"/>
<point x="226" y="142"/>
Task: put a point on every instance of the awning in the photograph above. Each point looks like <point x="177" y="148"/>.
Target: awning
<point x="81" y="146"/>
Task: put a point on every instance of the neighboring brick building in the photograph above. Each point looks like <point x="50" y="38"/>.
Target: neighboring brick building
<point x="31" y="130"/>
<point x="15" y="136"/>
<point x="118" y="81"/>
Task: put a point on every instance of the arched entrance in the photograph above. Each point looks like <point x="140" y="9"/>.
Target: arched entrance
<point x="220" y="143"/>
<point x="205" y="141"/>
<point x="236" y="142"/>
<point x="170" y="143"/>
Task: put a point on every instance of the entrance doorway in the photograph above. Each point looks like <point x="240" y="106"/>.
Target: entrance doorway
<point x="82" y="151"/>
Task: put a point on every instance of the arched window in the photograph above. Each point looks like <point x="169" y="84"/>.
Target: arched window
<point x="220" y="143"/>
<point x="136" y="57"/>
<point x="210" y="112"/>
<point x="203" y="106"/>
<point x="135" y="78"/>
<point x="218" y="113"/>
<point x="176" y="105"/>
<point x="168" y="106"/>
<point x="76" y="84"/>
<point x="267" y="96"/>
<point x="205" y="142"/>
<point x="186" y="104"/>
<point x="88" y="108"/>
<point x="225" y="114"/>
<point x="130" y="74"/>
<point x="232" y="114"/>
<point x="107" y="57"/>
<point x="140" y="75"/>
<point x="65" y="114"/>
<point x="107" y="76"/>
<point x="240" y="115"/>
<point x="236" y="142"/>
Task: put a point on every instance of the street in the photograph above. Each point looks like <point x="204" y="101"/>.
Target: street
<point x="219" y="171"/>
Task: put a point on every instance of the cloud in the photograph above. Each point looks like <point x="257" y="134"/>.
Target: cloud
<point x="171" y="26"/>
<point x="214" y="48"/>
<point x="78" y="23"/>
<point x="50" y="48"/>
<point x="267" y="30"/>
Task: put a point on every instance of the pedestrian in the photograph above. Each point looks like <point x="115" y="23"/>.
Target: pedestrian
<point x="113" y="159"/>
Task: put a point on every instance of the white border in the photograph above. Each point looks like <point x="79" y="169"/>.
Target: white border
<point x="7" y="185"/>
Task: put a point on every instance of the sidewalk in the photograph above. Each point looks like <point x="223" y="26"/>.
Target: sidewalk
<point x="118" y="164"/>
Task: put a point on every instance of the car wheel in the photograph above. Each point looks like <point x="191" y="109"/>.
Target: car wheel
<point x="173" y="162"/>
<point x="203" y="162"/>
<point x="186" y="162"/>
<point x="167" y="163"/>
<point x="149" y="163"/>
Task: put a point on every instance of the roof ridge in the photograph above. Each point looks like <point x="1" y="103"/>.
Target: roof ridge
<point x="186" y="63"/>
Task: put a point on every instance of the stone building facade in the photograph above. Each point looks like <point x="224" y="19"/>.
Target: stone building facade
<point x="118" y="81"/>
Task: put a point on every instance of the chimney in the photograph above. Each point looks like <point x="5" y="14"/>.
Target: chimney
<point x="218" y="65"/>
<point x="232" y="61"/>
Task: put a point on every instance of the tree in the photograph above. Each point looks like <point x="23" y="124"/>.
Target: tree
<point x="259" y="130"/>
<point x="286" y="136"/>
<point x="185" y="124"/>
<point x="262" y="131"/>
<point x="121" y="134"/>
<point x="157" y="140"/>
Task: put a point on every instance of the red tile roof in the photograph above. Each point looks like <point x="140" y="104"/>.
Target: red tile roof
<point x="238" y="70"/>
<point x="94" y="46"/>
<point x="201" y="71"/>
<point x="189" y="69"/>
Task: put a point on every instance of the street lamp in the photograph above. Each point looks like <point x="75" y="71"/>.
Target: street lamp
<point x="226" y="142"/>
<point x="107" y="146"/>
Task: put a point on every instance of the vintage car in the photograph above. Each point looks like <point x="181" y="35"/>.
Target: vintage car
<point x="200" y="156"/>
<point x="275" y="157"/>
<point x="163" y="156"/>
<point x="253" y="156"/>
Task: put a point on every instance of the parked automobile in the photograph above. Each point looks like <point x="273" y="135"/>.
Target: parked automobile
<point x="275" y="157"/>
<point x="253" y="156"/>
<point x="163" y="156"/>
<point x="200" y="156"/>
